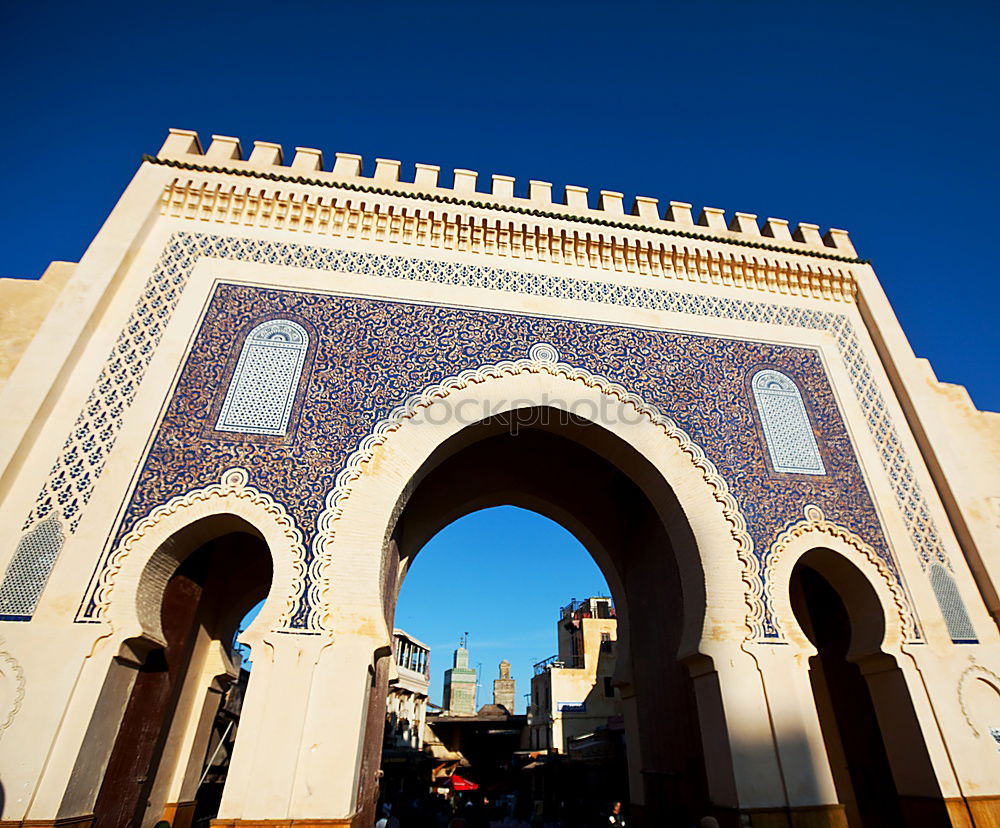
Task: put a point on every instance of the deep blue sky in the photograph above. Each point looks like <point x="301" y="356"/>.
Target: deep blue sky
<point x="501" y="575"/>
<point x="880" y="118"/>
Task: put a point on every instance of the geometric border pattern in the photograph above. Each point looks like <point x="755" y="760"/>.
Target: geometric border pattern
<point x="79" y="463"/>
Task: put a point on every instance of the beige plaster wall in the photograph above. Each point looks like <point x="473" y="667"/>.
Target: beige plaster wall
<point x="967" y="445"/>
<point x="24" y="304"/>
<point x="957" y="443"/>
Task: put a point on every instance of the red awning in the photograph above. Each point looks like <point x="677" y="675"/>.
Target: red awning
<point x="460" y="783"/>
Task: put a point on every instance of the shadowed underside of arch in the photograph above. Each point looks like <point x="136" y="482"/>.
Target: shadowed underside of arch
<point x="619" y="506"/>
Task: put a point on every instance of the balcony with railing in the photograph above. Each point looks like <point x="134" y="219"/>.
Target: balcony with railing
<point x="595" y="607"/>
<point x="411" y="655"/>
<point x="571" y="663"/>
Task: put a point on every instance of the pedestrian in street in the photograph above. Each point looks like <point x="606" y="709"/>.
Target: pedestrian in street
<point x="615" y="817"/>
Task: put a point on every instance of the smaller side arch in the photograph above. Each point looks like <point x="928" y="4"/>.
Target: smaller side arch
<point x="816" y="532"/>
<point x="131" y="585"/>
<point x="867" y="693"/>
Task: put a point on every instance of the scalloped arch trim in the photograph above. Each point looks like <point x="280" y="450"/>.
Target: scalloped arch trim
<point x="815" y="522"/>
<point x="234" y="485"/>
<point x="543" y="358"/>
<point x="974" y="671"/>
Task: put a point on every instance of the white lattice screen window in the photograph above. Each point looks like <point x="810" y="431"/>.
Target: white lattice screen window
<point x="29" y="569"/>
<point x="262" y="390"/>
<point x="952" y="607"/>
<point x="788" y="433"/>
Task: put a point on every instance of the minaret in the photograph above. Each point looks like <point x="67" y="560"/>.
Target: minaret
<point x="503" y="688"/>
<point x="460" y="683"/>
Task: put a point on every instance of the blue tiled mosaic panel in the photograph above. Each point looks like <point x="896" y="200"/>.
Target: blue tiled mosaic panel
<point x="80" y="461"/>
<point x="372" y="354"/>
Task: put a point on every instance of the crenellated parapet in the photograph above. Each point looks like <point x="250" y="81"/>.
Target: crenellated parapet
<point x="647" y="240"/>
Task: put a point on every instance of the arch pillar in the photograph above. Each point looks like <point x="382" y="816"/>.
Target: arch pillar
<point x="900" y="698"/>
<point x="303" y="728"/>
<point x="190" y="733"/>
<point x="805" y="769"/>
<point x="272" y="731"/>
<point x="273" y="734"/>
<point x="742" y="759"/>
<point x="346" y="711"/>
<point x="91" y="707"/>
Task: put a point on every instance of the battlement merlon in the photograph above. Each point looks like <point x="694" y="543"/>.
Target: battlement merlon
<point x="266" y="157"/>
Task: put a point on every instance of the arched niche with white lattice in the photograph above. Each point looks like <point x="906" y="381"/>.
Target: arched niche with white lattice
<point x="29" y="570"/>
<point x="262" y="390"/>
<point x="956" y="617"/>
<point x="788" y="433"/>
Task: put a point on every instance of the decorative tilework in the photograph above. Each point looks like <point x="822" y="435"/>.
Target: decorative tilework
<point x="791" y="443"/>
<point x="815" y="523"/>
<point x="232" y="485"/>
<point x="370" y="354"/>
<point x="35" y="554"/>
<point x="79" y="464"/>
<point x="543" y="358"/>
<point x="262" y="390"/>
<point x="75" y="472"/>
<point x="952" y="608"/>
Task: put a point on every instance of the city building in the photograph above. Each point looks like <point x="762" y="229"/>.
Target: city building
<point x="460" y="684"/>
<point x="504" y="691"/>
<point x="571" y="692"/>
<point x="406" y="704"/>
<point x="272" y="380"/>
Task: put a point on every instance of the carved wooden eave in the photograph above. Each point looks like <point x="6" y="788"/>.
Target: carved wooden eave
<point x="404" y="217"/>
